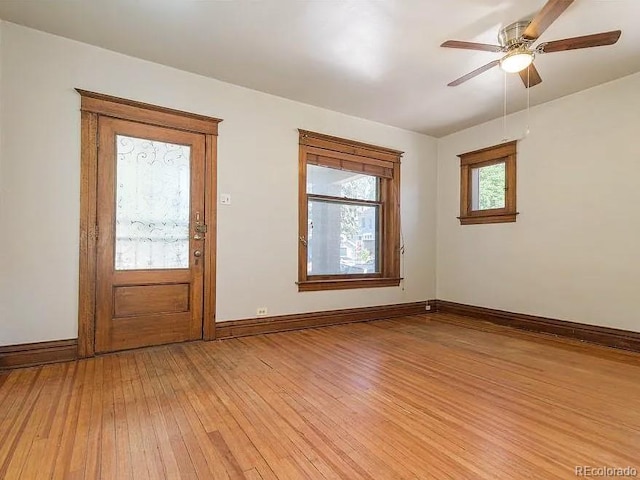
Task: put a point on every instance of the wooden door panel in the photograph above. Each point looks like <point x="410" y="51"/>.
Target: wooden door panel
<point x="150" y="194"/>
<point x="150" y="299"/>
<point x="145" y="330"/>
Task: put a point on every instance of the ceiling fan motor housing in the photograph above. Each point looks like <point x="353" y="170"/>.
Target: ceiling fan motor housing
<point x="511" y="35"/>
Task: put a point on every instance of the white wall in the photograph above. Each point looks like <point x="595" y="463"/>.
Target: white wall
<point x="573" y="253"/>
<point x="258" y="154"/>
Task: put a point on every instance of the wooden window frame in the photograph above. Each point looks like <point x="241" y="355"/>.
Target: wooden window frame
<point x="93" y="106"/>
<point x="504" y="153"/>
<point x="384" y="163"/>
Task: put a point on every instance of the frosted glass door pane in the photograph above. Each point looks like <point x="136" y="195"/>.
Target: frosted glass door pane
<point x="152" y="204"/>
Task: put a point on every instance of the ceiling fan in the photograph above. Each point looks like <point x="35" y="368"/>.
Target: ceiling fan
<point x="516" y="41"/>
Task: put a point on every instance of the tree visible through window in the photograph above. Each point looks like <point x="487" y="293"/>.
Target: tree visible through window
<point x="489" y="185"/>
<point x="349" y="214"/>
<point x="355" y="198"/>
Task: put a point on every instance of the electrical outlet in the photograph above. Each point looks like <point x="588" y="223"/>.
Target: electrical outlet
<point x="225" y="199"/>
<point x="261" y="311"/>
<point x="428" y="307"/>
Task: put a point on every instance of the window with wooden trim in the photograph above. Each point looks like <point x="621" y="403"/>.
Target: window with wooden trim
<point x="488" y="185"/>
<point x="349" y="214"/>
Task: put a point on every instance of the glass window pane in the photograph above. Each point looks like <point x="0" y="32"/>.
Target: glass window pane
<point x="342" y="239"/>
<point x="340" y="183"/>
<point x="152" y="204"/>
<point x="488" y="187"/>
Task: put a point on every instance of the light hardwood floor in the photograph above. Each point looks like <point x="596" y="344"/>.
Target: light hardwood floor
<point x="433" y="396"/>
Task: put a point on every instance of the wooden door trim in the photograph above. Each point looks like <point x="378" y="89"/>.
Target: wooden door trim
<point x="93" y="106"/>
<point x="88" y="233"/>
<point x="210" y="203"/>
<point x="125" y="109"/>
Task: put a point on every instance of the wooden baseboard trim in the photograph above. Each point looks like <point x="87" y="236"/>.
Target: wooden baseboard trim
<point x="39" y="353"/>
<point x="609" y="337"/>
<point x="30" y="354"/>
<point x="281" y="323"/>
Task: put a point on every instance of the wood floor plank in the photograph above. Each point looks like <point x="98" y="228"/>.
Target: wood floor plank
<point x="163" y="450"/>
<point x="139" y="417"/>
<point x="210" y="461"/>
<point x="107" y="450"/>
<point x="28" y="443"/>
<point x="143" y="466"/>
<point x="80" y="438"/>
<point x="69" y="412"/>
<point x="16" y="422"/>
<point x="434" y="396"/>
<point x="123" y="449"/>
<point x="253" y="474"/>
<point x="221" y="417"/>
<point x="8" y="384"/>
<point x="187" y="467"/>
<point x="92" y="449"/>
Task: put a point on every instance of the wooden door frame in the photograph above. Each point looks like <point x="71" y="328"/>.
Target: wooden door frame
<point x="96" y="105"/>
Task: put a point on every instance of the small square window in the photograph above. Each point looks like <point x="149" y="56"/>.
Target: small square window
<point x="488" y="185"/>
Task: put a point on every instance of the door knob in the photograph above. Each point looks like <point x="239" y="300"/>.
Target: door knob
<point x="197" y="253"/>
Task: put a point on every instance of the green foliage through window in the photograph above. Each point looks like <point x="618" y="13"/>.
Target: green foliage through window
<point x="491" y="187"/>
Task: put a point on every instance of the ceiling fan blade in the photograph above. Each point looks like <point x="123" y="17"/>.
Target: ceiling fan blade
<point x="530" y="76"/>
<point x="587" y="41"/>
<point x="471" y="46"/>
<point x="476" y="72"/>
<point x="545" y="17"/>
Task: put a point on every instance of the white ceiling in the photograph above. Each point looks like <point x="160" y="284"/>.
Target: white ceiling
<point x="374" y="59"/>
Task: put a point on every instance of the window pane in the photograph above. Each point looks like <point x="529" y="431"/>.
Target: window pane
<point x="342" y="239"/>
<point x="488" y="187"/>
<point x="340" y="183"/>
<point x="152" y="204"/>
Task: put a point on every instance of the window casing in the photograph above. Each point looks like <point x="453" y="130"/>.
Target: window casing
<point x="488" y="185"/>
<point x="349" y="214"/>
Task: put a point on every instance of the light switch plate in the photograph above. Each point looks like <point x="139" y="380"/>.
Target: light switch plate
<point x="225" y="199"/>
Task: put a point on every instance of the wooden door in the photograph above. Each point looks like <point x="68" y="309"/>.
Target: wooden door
<point x="150" y="247"/>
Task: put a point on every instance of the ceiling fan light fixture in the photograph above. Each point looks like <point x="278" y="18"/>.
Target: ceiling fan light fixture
<point x="516" y="60"/>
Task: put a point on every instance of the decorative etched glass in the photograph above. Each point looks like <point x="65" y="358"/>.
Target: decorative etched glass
<point x="152" y="204"/>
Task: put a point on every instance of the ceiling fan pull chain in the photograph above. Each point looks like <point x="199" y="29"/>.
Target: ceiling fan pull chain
<point x="526" y="132"/>
<point x="504" y="111"/>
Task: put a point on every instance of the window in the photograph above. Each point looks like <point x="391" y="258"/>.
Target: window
<point x="488" y="185"/>
<point x="349" y="214"/>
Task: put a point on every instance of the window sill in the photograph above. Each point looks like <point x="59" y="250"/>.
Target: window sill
<point x="493" y="218"/>
<point x="346" y="283"/>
